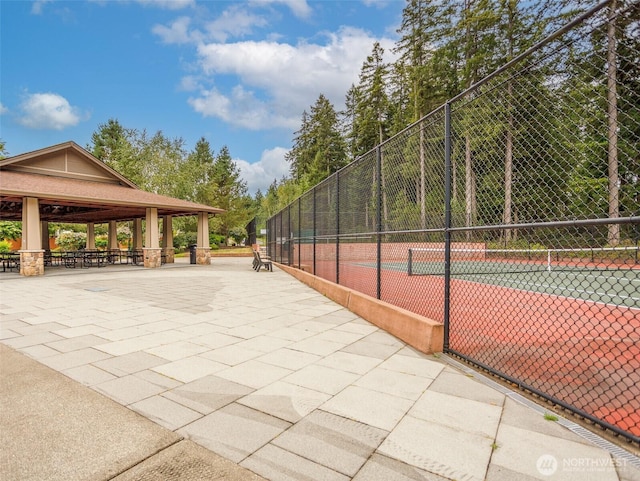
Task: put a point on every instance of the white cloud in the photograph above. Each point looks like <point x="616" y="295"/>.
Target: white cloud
<point x="168" y="4"/>
<point x="279" y="80"/>
<point x="260" y="175"/>
<point x="189" y="83"/>
<point x="300" y="8"/>
<point x="376" y="3"/>
<point x="235" y="21"/>
<point x="211" y="104"/>
<point x="241" y="108"/>
<point x="38" y="5"/>
<point x="3" y="109"/>
<point x="48" y="111"/>
<point x="177" y="32"/>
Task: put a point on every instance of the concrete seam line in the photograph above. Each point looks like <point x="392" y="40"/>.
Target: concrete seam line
<point x="158" y="451"/>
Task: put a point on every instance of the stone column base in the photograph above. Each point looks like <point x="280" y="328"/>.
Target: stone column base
<point x="152" y="257"/>
<point x="203" y="255"/>
<point x="32" y="263"/>
<point x="170" y="255"/>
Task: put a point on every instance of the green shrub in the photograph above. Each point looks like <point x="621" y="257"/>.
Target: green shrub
<point x="183" y="240"/>
<point x="10" y="230"/>
<point x="238" y="234"/>
<point x="216" y="239"/>
<point x="5" y="246"/>
<point x="71" y="241"/>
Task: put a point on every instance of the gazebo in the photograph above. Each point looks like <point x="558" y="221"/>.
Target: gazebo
<point x="67" y="184"/>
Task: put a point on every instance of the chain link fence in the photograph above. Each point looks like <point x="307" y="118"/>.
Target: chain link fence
<point x="512" y="215"/>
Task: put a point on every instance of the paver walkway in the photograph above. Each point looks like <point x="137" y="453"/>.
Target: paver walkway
<point x="267" y="373"/>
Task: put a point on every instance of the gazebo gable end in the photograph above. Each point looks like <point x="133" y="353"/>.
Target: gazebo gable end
<point x="68" y="161"/>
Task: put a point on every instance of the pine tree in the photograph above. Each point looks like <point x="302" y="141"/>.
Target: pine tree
<point x="300" y="157"/>
<point x="476" y="37"/>
<point x="628" y="87"/>
<point x="319" y="149"/>
<point x="348" y="121"/>
<point x="427" y="62"/>
<point x="372" y="103"/>
<point x="114" y="145"/>
<point x="229" y="192"/>
<point x="198" y="171"/>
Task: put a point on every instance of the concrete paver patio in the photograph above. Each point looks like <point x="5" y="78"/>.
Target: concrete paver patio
<point x="272" y="378"/>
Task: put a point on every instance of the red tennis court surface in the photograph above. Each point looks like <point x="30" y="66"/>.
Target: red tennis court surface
<point x="582" y="352"/>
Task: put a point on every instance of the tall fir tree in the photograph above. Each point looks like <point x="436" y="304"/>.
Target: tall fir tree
<point x="229" y="192"/>
<point x="114" y="145"/>
<point x="198" y="171"/>
<point x="319" y="149"/>
<point x="372" y="106"/>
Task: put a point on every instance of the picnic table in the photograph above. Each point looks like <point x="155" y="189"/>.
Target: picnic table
<point x="10" y="260"/>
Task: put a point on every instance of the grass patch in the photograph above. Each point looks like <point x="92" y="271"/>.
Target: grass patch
<point x="232" y="251"/>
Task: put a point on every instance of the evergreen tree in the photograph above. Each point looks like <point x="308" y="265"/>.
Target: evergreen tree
<point x="270" y="204"/>
<point x="348" y="121"/>
<point x="604" y="181"/>
<point x="198" y="172"/>
<point x="399" y="101"/>
<point x="476" y="24"/>
<point x="328" y="147"/>
<point x="519" y="27"/>
<point x="425" y="39"/>
<point x="114" y="145"/>
<point x="427" y="65"/>
<point x="628" y="87"/>
<point x="300" y="157"/>
<point x="259" y="214"/>
<point x="229" y="192"/>
<point x="372" y="103"/>
<point x="319" y="149"/>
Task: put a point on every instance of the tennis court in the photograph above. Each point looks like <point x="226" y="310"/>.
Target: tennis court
<point x="610" y="276"/>
<point x="565" y="322"/>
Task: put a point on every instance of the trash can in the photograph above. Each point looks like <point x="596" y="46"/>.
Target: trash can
<point x="192" y="253"/>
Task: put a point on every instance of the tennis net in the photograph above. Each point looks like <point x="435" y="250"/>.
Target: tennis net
<point x="423" y="261"/>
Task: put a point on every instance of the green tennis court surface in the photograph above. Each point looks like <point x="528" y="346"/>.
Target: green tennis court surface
<point x="611" y="277"/>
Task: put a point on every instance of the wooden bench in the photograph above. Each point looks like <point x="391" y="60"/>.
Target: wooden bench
<point x="259" y="262"/>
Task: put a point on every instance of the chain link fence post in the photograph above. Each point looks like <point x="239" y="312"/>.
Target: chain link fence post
<point x="447" y="222"/>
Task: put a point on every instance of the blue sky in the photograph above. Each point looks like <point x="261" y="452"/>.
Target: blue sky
<point x="238" y="73"/>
